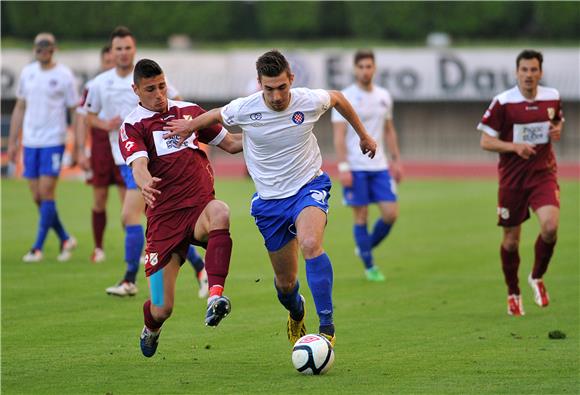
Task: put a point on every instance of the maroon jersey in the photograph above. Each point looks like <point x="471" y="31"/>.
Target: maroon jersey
<point x="185" y="172"/>
<point x="511" y="117"/>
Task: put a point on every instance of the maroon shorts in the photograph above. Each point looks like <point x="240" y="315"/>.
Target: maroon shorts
<point x="170" y="233"/>
<point x="103" y="168"/>
<point x="514" y="203"/>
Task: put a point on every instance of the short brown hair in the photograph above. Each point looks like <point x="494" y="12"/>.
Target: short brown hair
<point x="529" y="54"/>
<point x="272" y="64"/>
<point x="364" y="54"/>
<point x="122" y="32"/>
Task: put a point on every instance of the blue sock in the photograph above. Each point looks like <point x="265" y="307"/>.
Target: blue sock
<point x="134" y="241"/>
<point x="47" y="213"/>
<point x="292" y="301"/>
<point x="320" y="278"/>
<point x="380" y="231"/>
<point x="363" y="243"/>
<point x="195" y="259"/>
<point x="59" y="228"/>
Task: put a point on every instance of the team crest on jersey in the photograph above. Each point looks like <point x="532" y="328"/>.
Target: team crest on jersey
<point x="187" y="117"/>
<point x="298" y="117"/>
<point x="551" y="113"/>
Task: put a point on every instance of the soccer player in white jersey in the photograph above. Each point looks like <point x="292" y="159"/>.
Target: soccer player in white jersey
<point x="283" y="158"/>
<point x="46" y="89"/>
<point x="366" y="181"/>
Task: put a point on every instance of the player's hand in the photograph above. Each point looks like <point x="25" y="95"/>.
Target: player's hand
<point x="114" y="123"/>
<point x="345" y="178"/>
<point x="555" y="130"/>
<point x="178" y="127"/>
<point x="83" y="161"/>
<point x="524" y="151"/>
<point x="149" y="192"/>
<point x="368" y="146"/>
<point x="12" y="152"/>
<point x="396" y="170"/>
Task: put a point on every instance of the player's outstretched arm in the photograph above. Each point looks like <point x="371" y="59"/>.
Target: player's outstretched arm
<point x="15" y="127"/>
<point x="145" y="181"/>
<point x="368" y="145"/>
<point x="494" y="144"/>
<point x="232" y="143"/>
<point x="185" y="128"/>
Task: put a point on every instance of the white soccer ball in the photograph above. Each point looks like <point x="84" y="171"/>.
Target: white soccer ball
<point x="312" y="354"/>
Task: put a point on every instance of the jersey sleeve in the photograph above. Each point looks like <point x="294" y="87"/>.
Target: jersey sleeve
<point x="390" y="107"/>
<point x="21" y="88"/>
<point x="131" y="143"/>
<point x="93" y="99"/>
<point x="230" y="112"/>
<point x="321" y="99"/>
<point x="492" y="119"/>
<point x="71" y="94"/>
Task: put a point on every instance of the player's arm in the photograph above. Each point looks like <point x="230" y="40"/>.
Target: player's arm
<point x="95" y="122"/>
<point x="15" y="127"/>
<point x="555" y="130"/>
<point x="145" y="181"/>
<point x="494" y="144"/>
<point x="367" y="144"/>
<point x="395" y="166"/>
<point x="80" y="128"/>
<point x="184" y="128"/>
<point x="344" y="174"/>
<point x="232" y="143"/>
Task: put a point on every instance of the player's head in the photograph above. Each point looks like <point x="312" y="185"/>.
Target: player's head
<point x="364" y="66"/>
<point x="123" y="46"/>
<point x="107" y="61"/>
<point x="529" y="69"/>
<point x="275" y="78"/>
<point x="44" y="47"/>
<point x="149" y="84"/>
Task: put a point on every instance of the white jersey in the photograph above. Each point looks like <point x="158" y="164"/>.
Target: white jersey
<point x="110" y="95"/>
<point x="280" y="149"/>
<point x="373" y="108"/>
<point x="48" y="94"/>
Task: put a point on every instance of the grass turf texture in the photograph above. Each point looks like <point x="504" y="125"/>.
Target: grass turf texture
<point x="438" y="325"/>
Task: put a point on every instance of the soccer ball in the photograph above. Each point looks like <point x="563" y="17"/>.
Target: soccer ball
<point x="312" y="354"/>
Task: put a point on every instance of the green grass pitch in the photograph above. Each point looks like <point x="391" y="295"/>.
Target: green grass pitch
<point x="438" y="325"/>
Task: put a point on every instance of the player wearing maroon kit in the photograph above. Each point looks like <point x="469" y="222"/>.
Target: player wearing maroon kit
<point x="520" y="125"/>
<point x="100" y="165"/>
<point x="176" y="181"/>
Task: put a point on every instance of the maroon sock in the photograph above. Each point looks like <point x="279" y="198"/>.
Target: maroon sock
<point x="543" y="254"/>
<point x="150" y="322"/>
<point x="99" y="224"/>
<point x="217" y="256"/>
<point x="510" y="262"/>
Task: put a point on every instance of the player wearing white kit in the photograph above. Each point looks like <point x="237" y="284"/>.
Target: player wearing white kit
<point x="368" y="181"/>
<point x="284" y="160"/>
<point x="46" y="89"/>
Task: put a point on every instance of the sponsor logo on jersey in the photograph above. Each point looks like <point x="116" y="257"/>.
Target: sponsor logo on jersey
<point x="531" y="108"/>
<point x="129" y="145"/>
<point x="298" y="117"/>
<point x="551" y="113"/>
<point x="173" y="142"/>
<point x="319" y="196"/>
<point x="53" y="83"/>
<point x="503" y="212"/>
<point x="256" y="116"/>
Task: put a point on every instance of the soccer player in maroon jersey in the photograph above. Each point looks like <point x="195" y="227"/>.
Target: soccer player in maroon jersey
<point x="100" y="165"/>
<point x="520" y="124"/>
<point x="176" y="181"/>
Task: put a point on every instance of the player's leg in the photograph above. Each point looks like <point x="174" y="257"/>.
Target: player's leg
<point x="198" y="265"/>
<point x="159" y="307"/>
<point x="33" y="255"/>
<point x="99" y="221"/>
<point x="549" y="218"/>
<point x="510" y="262"/>
<point x="383" y="191"/>
<point x="213" y="227"/>
<point x="310" y="226"/>
<point x="285" y="265"/>
<point x="382" y="227"/>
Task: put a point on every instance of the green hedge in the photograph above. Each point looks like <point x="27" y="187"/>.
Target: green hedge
<point x="213" y="21"/>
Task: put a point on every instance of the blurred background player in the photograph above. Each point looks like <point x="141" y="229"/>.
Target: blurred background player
<point x="110" y="98"/>
<point x="520" y="124"/>
<point x="100" y="165"/>
<point x="291" y="203"/>
<point x="367" y="181"/>
<point x="176" y="181"/>
<point x="46" y="89"/>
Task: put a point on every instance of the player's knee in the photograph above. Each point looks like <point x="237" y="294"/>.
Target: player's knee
<point x="164" y="312"/>
<point x="286" y="284"/>
<point x="219" y="215"/>
<point x="550" y="230"/>
<point x="510" y="244"/>
<point x="310" y="246"/>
